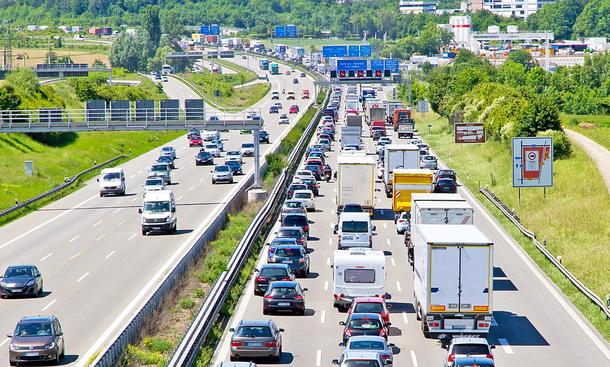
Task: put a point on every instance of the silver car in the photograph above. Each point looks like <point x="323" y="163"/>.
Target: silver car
<point x="222" y="174"/>
<point x="370" y="343"/>
<point x="429" y="162"/>
<point x="360" y="358"/>
<point x="256" y="338"/>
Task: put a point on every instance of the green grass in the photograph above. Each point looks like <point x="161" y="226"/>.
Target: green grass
<point x="571" y="218"/>
<point x="595" y="127"/>
<point x="248" y="74"/>
<point x="52" y="164"/>
<point x="67" y="94"/>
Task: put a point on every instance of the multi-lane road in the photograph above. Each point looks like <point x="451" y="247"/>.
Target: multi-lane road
<point x="97" y="267"/>
<point x="534" y="325"/>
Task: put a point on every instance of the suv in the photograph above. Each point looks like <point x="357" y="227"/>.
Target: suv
<point x="21" y="280"/>
<point x="256" y="338"/>
<point x="467" y="347"/>
<point x="36" y="339"/>
<point x="222" y="174"/>
<point x="270" y="273"/>
<point x="162" y="170"/>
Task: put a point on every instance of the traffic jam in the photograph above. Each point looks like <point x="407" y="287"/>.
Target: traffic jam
<point x="367" y="168"/>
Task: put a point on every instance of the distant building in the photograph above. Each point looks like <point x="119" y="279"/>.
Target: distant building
<point x="417" y="7"/>
<point x="509" y="8"/>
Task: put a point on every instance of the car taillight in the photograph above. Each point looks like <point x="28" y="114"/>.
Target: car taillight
<point x="298" y="297"/>
<point x="236" y="343"/>
<point x="301" y="261"/>
<point x="348" y="332"/>
<point x="382" y="332"/>
<point x="490" y="356"/>
<point x="287" y="278"/>
<point x="271" y="344"/>
<point x="306" y="228"/>
<point x="451" y="358"/>
<point x="268" y="297"/>
<point x="384" y="356"/>
<point x="260" y="279"/>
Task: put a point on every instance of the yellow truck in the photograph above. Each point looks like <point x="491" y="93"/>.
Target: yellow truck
<point x="406" y="182"/>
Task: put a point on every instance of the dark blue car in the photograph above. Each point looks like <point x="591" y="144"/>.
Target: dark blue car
<point x="235" y="167"/>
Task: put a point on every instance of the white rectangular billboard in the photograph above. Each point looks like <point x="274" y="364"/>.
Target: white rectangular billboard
<point x="532" y="162"/>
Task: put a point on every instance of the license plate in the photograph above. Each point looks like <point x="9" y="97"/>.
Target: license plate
<point x="156" y="227"/>
<point x="458" y="327"/>
<point x="283" y="304"/>
<point x="255" y="344"/>
<point x="31" y="354"/>
<point x="16" y="290"/>
<point x="348" y="238"/>
<point x="287" y="262"/>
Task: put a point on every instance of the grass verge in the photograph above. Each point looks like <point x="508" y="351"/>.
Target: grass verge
<point x="248" y="74"/>
<point x="594" y="127"/>
<point x="563" y="219"/>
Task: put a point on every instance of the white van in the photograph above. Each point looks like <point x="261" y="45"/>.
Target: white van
<point x="112" y="181"/>
<point x="354" y="230"/>
<point x="158" y="212"/>
<point x="357" y="272"/>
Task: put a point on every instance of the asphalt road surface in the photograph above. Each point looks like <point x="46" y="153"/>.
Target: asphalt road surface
<point x="534" y="325"/>
<point x="97" y="267"/>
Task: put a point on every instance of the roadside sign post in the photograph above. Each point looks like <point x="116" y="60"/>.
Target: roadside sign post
<point x="469" y="132"/>
<point x="29" y="168"/>
<point x="532" y="163"/>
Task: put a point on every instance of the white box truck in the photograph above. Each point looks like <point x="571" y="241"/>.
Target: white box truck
<point x="351" y="135"/>
<point x="356" y="181"/>
<point x="452" y="279"/>
<point x="398" y="156"/>
<point x="357" y="272"/>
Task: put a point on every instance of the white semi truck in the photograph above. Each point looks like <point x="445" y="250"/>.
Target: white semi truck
<point x="398" y="156"/>
<point x="356" y="181"/>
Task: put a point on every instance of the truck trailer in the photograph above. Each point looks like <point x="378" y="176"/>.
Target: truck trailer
<point x="406" y="182"/>
<point x="356" y="181"/>
<point x="398" y="156"/>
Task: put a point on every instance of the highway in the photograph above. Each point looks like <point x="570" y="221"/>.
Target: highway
<point x="97" y="267"/>
<point x="534" y="325"/>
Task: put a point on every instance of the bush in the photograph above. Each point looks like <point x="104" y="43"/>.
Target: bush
<point x="562" y="147"/>
<point x="158" y="345"/>
<point x="187" y="303"/>
<point x="198" y="293"/>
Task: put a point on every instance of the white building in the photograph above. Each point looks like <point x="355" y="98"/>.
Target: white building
<point x="461" y="27"/>
<point x="509" y="8"/>
<point x="417" y="7"/>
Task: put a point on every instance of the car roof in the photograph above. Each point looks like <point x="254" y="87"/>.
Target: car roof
<point x="289" y="228"/>
<point x="254" y="322"/>
<point x="275" y="266"/>
<point x="369" y="300"/>
<point x="37" y="318"/>
<point x="353" y="354"/>
<point x="365" y="315"/>
<point x="284" y="284"/>
<point x="469" y="340"/>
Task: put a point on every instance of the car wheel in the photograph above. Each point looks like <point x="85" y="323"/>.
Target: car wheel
<point x="39" y="293"/>
<point x="234" y="358"/>
<point x="265" y="311"/>
<point x="301" y="312"/>
<point x="232" y="181"/>
<point x="143" y="232"/>
<point x="12" y="363"/>
<point x="279" y="355"/>
<point x="101" y="195"/>
<point x="213" y="182"/>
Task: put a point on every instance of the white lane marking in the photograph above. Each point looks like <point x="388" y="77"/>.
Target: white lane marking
<point x="110" y="254"/>
<point x="98" y="223"/>
<point x="318" y="358"/>
<point x="132" y="176"/>
<point x="334" y="200"/>
<point x="83" y="277"/>
<point x="201" y="179"/>
<point x="75" y="256"/>
<point x="335" y="189"/>
<point x="505" y="346"/>
<point x="140" y="171"/>
<point x="393" y="262"/>
<point x="387" y="240"/>
<point x="5" y="341"/>
<point x="328" y="261"/>
<point x="326" y="285"/>
<point x="385" y="226"/>
<point x="323" y="317"/>
<point x="74" y="238"/>
<point x="398" y="286"/>
<point x="378" y="201"/>
<point x="49" y="305"/>
<point x="131" y="237"/>
<point x="404" y="317"/>
<point x="332" y="225"/>
<point x="116" y="211"/>
<point x="47" y="222"/>
<point x="180" y="197"/>
<point x="121" y="222"/>
<point x="134" y="199"/>
<point x="191" y="188"/>
<point x="330" y="241"/>
<point x="46" y="257"/>
<point x="414" y="358"/>
<point x="100" y="237"/>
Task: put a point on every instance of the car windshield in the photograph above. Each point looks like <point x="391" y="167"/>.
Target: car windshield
<point x="293" y="204"/>
<point x="364" y="324"/>
<point x="302" y="195"/>
<point x="298" y="187"/>
<point x="359" y="276"/>
<point x="154" y="182"/>
<point x="360" y="363"/>
<point x="111" y="176"/>
<point x="289" y="233"/>
<point x="232" y="163"/>
<point x="247" y="145"/>
<point x="445" y="181"/>
<point x="272" y="272"/>
<point x="167" y="149"/>
<point x="34" y="329"/>
<point x="283" y="292"/>
<point x="254" y="332"/>
<point x="156" y="206"/>
<point x="368" y="307"/>
<point x="211" y="146"/>
<point x="354" y="226"/>
<point x="288" y="252"/>
<point x="295" y="220"/>
<point x="312" y="167"/>
<point x="222" y="169"/>
<point x="367" y="345"/>
<point x="470" y="349"/>
<point x="159" y="168"/>
<point x="18" y="272"/>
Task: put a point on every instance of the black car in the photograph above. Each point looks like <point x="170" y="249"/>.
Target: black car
<point x="315" y="169"/>
<point x="445" y="186"/>
<point x="284" y="296"/>
<point x="378" y="133"/>
<point x="445" y="173"/>
<point x="166" y="159"/>
<point x="295" y="256"/>
<point x="292" y="188"/>
<point x="204" y="158"/>
<point x="271" y="273"/>
<point x="296" y="220"/>
<point x="364" y="324"/>
<point x="295" y="81"/>
<point x="235" y="167"/>
<point x="263" y="137"/>
<point x="21" y="280"/>
<point x="311" y="185"/>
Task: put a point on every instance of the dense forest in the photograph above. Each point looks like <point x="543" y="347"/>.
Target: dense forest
<point x="567" y="18"/>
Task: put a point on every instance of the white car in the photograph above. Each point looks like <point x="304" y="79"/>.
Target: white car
<point x="247" y="149"/>
<point x="213" y="149"/>
<point x="171" y="151"/>
<point x="403" y="222"/>
<point x="284" y="119"/>
<point x="235" y="155"/>
<point x="153" y="184"/>
<point x="306" y="197"/>
<point x="303" y="174"/>
<point x="467" y="347"/>
<point x="275" y="95"/>
<point x="209" y="135"/>
<point x="429" y="162"/>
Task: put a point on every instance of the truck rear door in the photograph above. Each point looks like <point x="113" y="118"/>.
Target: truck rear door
<point x="459" y="216"/>
<point x="444" y="278"/>
<point x="475" y="278"/>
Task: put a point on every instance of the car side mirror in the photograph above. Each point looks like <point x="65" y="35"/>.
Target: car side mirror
<point x="98" y="180"/>
<point x="492" y="347"/>
<point x="385" y="363"/>
<point x="392" y="345"/>
<point x="305" y="289"/>
<point x="374" y="228"/>
<point x="341" y="344"/>
<point x="335" y="361"/>
<point x="173" y="209"/>
<point x="389" y="307"/>
<point x="388" y="324"/>
<point x="9" y="335"/>
<point x="231" y="330"/>
<point x="140" y="210"/>
<point x="61" y="333"/>
<point x="281" y="330"/>
<point x="342" y="323"/>
<point x="336" y="229"/>
<point x="123" y="179"/>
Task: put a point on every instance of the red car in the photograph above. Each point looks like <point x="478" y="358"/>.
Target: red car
<point x="195" y="140"/>
<point x="315" y="161"/>
<point x="305" y="94"/>
<point x="370" y="305"/>
<point x="293" y="109"/>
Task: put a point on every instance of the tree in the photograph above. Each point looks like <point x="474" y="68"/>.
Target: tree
<point x="9" y="100"/>
<point x="521" y="57"/>
<point x="24" y="79"/>
<point x="541" y="114"/>
<point x="129" y="51"/>
<point x="594" y="21"/>
<point x="558" y="17"/>
<point x="511" y="73"/>
<point x="173" y="25"/>
<point x="152" y="24"/>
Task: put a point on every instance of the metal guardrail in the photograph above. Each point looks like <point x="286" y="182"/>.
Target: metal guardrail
<point x="531" y="235"/>
<point x="57" y="189"/>
<point x="187" y="351"/>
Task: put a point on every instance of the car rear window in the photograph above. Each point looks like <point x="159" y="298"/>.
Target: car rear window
<point x="293" y="204"/>
<point x="354" y="227"/>
<point x="254" y="332"/>
<point x="368" y="307"/>
<point x="360" y="363"/>
<point x="470" y="349"/>
<point x="365" y="324"/>
<point x="288" y="252"/>
<point x="289" y="233"/>
<point x="272" y="272"/>
<point x="359" y="276"/>
<point x="283" y="292"/>
<point x="366" y="345"/>
<point x="302" y="195"/>
<point x="295" y="220"/>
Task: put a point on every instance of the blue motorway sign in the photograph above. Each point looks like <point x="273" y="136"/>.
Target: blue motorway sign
<point x="376" y="64"/>
<point x="353" y="51"/>
<point x="215" y="30"/>
<point x="351" y="65"/>
<point x="291" y="31"/>
<point x="280" y="31"/>
<point x="204" y="29"/>
<point x="391" y="64"/>
<point x="334" y="51"/>
<point x="366" y="51"/>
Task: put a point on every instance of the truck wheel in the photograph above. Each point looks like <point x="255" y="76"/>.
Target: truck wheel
<point x="388" y="194"/>
<point x="424" y="329"/>
<point x="418" y="312"/>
